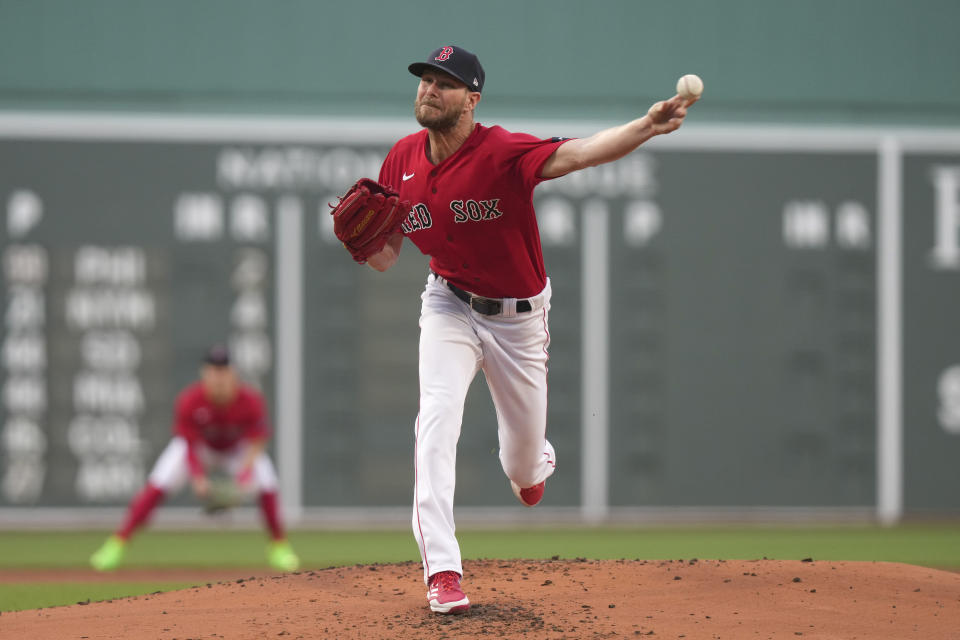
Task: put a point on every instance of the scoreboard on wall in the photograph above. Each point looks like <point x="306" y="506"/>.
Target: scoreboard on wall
<point x="122" y="262"/>
<point x="733" y="314"/>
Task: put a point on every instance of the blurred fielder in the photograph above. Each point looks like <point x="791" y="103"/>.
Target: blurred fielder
<point x="220" y="434"/>
<point x="463" y="194"/>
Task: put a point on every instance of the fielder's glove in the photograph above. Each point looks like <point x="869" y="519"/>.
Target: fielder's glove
<point x="224" y="493"/>
<point x="366" y="216"/>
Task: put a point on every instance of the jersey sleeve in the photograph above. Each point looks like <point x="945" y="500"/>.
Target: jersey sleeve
<point x="529" y="153"/>
<point x="257" y="426"/>
<point x="185" y="427"/>
<point x="388" y="170"/>
<point x="183" y="423"/>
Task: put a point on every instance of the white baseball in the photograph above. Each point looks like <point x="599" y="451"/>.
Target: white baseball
<point x="690" y="86"/>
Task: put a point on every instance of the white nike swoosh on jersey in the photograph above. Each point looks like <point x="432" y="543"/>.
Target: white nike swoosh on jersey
<point x="407" y="177"/>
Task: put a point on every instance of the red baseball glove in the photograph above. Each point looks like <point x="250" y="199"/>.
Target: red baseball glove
<point x="366" y="216"/>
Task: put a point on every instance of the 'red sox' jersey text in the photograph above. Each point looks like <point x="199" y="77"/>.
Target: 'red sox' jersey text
<point x="473" y="212"/>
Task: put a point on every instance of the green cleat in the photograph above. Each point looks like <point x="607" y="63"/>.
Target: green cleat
<point x="281" y="556"/>
<point x="110" y="555"/>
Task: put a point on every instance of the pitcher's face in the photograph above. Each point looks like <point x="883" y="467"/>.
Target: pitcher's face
<point x="441" y="101"/>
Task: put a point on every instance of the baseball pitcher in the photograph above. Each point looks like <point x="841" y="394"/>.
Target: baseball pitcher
<point x="462" y="192"/>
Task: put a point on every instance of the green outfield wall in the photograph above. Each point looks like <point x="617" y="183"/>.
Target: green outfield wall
<point x="819" y="61"/>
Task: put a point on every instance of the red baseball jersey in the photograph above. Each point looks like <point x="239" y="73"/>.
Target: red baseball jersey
<point x="473" y="212"/>
<point x="220" y="427"/>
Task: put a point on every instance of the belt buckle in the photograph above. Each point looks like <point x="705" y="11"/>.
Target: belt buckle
<point x="488" y="306"/>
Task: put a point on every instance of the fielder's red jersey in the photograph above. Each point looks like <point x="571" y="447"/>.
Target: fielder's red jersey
<point x="473" y="212"/>
<point x="220" y="427"/>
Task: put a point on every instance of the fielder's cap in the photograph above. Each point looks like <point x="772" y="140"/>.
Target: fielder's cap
<point x="217" y="355"/>
<point x="458" y="62"/>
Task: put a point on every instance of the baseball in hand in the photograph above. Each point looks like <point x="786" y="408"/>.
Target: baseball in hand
<point x="690" y="87"/>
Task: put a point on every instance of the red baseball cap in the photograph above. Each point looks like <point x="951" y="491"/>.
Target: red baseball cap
<point x="458" y="62"/>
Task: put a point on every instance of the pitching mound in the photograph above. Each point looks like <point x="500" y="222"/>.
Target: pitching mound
<point x="538" y="599"/>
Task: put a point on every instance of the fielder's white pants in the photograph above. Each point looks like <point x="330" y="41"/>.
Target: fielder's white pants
<point x="171" y="471"/>
<point x="455" y="343"/>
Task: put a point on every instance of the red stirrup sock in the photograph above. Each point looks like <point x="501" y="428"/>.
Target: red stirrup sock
<point x="140" y="509"/>
<point x="271" y="514"/>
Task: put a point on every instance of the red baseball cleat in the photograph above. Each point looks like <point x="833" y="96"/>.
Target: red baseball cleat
<point x="445" y="595"/>
<point x="529" y="496"/>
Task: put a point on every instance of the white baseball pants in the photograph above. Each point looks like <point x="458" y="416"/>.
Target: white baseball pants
<point x="171" y="471"/>
<point x="455" y="343"/>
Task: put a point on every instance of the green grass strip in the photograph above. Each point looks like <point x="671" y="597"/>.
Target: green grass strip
<point x="34" y="595"/>
<point x="930" y="545"/>
<point x="927" y="545"/>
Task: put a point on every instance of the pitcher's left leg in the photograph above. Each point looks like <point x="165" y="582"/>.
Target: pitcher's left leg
<point x="515" y="366"/>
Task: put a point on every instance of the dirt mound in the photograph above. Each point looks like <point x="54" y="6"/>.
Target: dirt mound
<point x="538" y="599"/>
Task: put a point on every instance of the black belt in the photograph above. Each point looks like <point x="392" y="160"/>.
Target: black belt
<point x="486" y="306"/>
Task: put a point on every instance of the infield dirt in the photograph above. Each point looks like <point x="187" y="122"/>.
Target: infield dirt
<point x="689" y="599"/>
